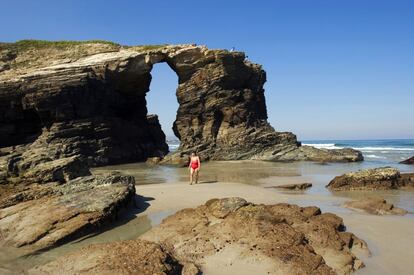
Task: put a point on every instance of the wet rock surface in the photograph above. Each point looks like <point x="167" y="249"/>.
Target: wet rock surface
<point x="231" y="234"/>
<point x="372" y="179"/>
<point x="376" y="206"/>
<point x="124" y="257"/>
<point x="408" y="161"/>
<point x="293" y="186"/>
<point x="40" y="216"/>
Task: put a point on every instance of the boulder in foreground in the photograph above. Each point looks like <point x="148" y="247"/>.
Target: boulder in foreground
<point x="372" y="179"/>
<point x="41" y="216"/>
<point x="123" y="257"/>
<point x="232" y="236"/>
<point x="376" y="207"/>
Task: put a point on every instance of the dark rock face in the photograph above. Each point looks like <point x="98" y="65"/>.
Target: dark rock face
<point x="226" y="235"/>
<point x="372" y="179"/>
<point x="408" y="161"/>
<point x="94" y="106"/>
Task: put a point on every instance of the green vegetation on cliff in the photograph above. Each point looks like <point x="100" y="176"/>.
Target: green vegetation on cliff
<point x="27" y="44"/>
<point x="38" y="44"/>
<point x="147" y="47"/>
<point x="31" y="53"/>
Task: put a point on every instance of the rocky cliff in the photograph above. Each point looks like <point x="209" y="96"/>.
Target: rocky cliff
<point x="65" y="99"/>
<point x="66" y="106"/>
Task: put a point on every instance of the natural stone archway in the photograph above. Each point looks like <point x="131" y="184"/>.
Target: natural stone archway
<point x="91" y="103"/>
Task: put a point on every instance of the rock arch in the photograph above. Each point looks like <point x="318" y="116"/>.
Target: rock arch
<point x="94" y="107"/>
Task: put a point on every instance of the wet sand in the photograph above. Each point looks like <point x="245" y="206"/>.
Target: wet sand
<point x="390" y="238"/>
<point x="163" y="190"/>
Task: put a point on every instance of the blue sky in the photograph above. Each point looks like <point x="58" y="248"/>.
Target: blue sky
<point x="335" y="69"/>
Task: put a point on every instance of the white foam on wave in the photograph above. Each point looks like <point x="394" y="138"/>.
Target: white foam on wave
<point x="173" y="146"/>
<point x="323" y="145"/>
<point x="367" y="149"/>
<point x="375" y="157"/>
<point x="383" y="149"/>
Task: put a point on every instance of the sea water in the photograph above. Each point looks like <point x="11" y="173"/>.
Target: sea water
<point x="380" y="151"/>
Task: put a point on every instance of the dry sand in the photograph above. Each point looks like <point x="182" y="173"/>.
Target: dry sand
<point x="390" y="239"/>
<point x="176" y="196"/>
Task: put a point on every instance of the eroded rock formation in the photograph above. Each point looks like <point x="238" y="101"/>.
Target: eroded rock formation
<point x="89" y="100"/>
<point x="66" y="108"/>
<point x="372" y="179"/>
<point x="231" y="235"/>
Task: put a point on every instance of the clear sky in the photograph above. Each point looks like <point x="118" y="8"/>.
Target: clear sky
<point x="335" y="69"/>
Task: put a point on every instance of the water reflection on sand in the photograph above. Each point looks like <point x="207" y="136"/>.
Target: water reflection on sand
<point x="133" y="222"/>
<point x="271" y="173"/>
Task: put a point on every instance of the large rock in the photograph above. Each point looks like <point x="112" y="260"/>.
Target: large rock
<point x="88" y="99"/>
<point x="408" y="161"/>
<point x="232" y="236"/>
<point x="372" y="179"/>
<point x="124" y="257"/>
<point x="40" y="216"/>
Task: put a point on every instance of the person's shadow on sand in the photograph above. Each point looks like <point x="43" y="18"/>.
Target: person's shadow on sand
<point x="206" y="182"/>
<point x="141" y="203"/>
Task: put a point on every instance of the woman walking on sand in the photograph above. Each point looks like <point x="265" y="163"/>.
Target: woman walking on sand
<point x="194" y="167"/>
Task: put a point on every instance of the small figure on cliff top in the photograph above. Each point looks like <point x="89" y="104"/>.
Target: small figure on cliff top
<point x="194" y="167"/>
<point x="232" y="49"/>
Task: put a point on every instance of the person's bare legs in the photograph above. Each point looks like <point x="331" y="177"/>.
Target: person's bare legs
<point x="191" y="175"/>
<point x="196" y="175"/>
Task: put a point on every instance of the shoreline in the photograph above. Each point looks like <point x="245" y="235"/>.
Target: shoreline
<point x="159" y="198"/>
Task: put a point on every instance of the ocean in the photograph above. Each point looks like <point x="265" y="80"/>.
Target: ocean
<point x="384" y="151"/>
<point x="381" y="151"/>
<point x="173" y="144"/>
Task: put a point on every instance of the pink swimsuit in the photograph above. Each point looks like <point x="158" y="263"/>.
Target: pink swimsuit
<point x="194" y="164"/>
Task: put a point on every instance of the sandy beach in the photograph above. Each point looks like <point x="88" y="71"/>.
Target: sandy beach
<point x="389" y="238"/>
<point x="162" y="191"/>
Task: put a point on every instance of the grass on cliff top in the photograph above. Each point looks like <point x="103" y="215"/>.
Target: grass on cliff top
<point x="147" y="47"/>
<point x="27" y="44"/>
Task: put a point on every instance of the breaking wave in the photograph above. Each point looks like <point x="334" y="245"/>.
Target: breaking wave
<point x="323" y="145"/>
